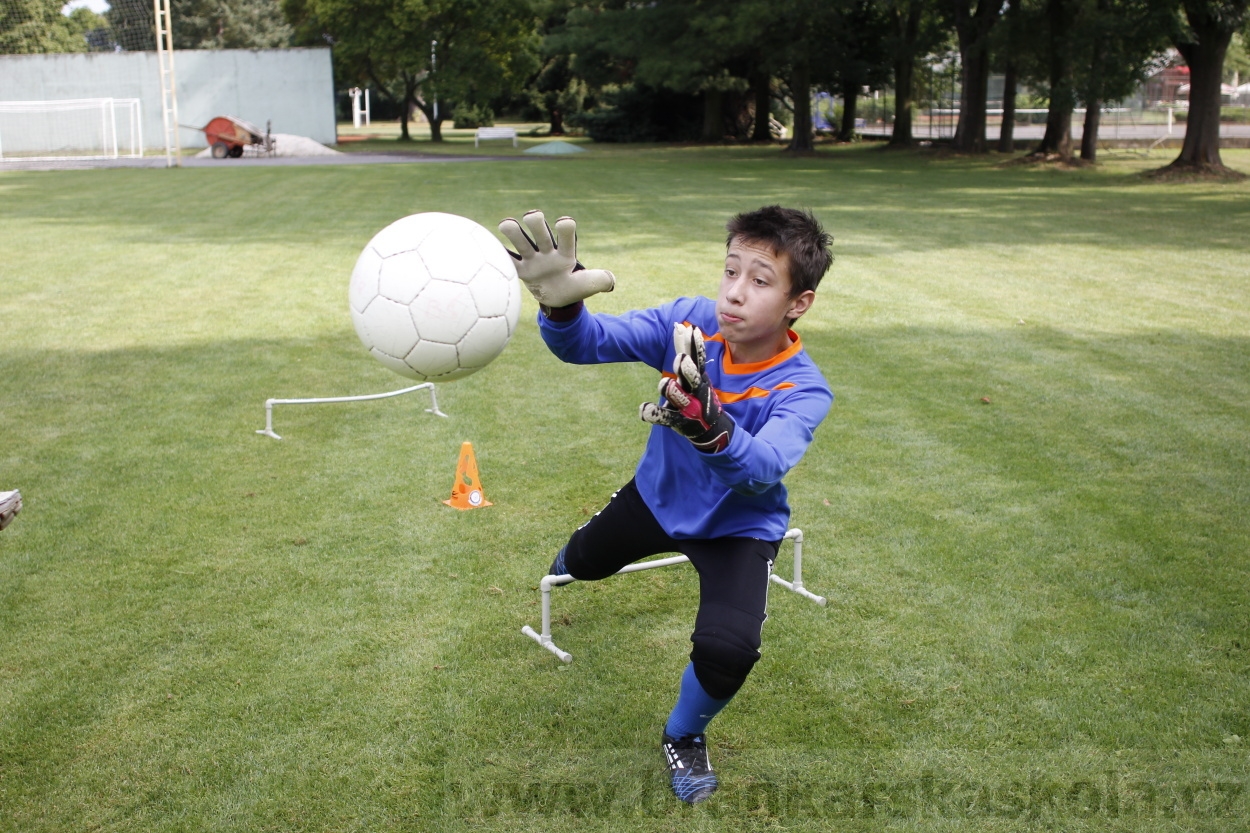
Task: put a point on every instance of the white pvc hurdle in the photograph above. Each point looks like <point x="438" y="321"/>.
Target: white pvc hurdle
<point x="548" y="582"/>
<point x="269" y="403"/>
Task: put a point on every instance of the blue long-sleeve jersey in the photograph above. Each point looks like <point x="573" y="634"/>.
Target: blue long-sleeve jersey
<point x="775" y="404"/>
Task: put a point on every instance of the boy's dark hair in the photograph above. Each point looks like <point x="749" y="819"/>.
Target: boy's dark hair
<point x="789" y="231"/>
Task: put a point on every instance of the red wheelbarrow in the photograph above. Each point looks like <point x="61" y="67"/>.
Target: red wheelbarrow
<point x="227" y="136"/>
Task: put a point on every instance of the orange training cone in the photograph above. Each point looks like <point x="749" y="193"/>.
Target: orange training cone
<point x="466" y="492"/>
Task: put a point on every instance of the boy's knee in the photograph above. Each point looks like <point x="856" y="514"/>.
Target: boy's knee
<point x="578" y="565"/>
<point x="722" y="660"/>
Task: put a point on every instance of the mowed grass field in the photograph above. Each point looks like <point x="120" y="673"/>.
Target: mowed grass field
<point x="1029" y="509"/>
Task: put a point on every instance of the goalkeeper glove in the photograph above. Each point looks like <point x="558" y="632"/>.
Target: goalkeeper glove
<point x="547" y="263"/>
<point x="692" y="409"/>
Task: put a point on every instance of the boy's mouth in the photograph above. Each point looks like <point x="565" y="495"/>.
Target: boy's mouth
<point x="727" y="318"/>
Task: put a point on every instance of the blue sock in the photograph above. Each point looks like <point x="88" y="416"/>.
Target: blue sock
<point x="695" y="707"/>
<point x="557" y="566"/>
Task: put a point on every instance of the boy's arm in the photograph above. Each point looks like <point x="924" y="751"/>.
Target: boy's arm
<point x="636" y="336"/>
<point x="753" y="464"/>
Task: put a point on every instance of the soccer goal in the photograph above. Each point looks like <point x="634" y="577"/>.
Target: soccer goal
<point x="81" y="128"/>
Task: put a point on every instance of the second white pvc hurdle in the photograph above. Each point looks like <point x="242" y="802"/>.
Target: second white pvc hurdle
<point x="270" y="403"/>
<point x="548" y="582"/>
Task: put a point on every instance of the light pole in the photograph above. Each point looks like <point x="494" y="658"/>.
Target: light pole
<point x="433" y="65"/>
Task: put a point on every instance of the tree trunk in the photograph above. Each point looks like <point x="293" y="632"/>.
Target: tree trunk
<point x="1057" y="140"/>
<point x="1007" y="130"/>
<point x="1089" y="131"/>
<point x="908" y="30"/>
<point x="1058" y="137"/>
<point x="1094" y="89"/>
<point x="970" y="129"/>
<point x="973" y="29"/>
<point x="436" y="124"/>
<point x="410" y="99"/>
<point x="713" y="116"/>
<point x="850" y="103"/>
<point x="801" y="89"/>
<point x="557" y="122"/>
<point x="1201" y="149"/>
<point x="1007" y="125"/>
<point x="763" y="108"/>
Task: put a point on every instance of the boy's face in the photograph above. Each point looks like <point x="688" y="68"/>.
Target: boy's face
<point x="754" y="307"/>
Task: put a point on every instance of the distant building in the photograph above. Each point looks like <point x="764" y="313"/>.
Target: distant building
<point x="1168" y="85"/>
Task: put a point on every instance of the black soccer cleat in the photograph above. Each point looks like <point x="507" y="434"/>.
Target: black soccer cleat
<point x="693" y="778"/>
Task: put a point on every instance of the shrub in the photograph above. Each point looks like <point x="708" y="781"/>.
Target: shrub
<point x="470" y="116"/>
<point x="637" y="113"/>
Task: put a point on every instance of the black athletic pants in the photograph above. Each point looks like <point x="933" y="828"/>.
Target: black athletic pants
<point x="733" y="583"/>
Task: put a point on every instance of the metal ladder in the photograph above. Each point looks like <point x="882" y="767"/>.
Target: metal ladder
<point x="169" y="94"/>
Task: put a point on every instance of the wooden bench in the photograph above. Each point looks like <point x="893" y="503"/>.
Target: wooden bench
<point x="494" y="133"/>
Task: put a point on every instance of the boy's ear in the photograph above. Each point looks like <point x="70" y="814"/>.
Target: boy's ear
<point x="800" y="304"/>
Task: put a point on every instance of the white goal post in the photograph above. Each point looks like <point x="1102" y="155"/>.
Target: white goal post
<point x="79" y="128"/>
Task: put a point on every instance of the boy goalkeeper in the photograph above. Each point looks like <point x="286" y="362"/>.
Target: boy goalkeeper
<point x="739" y="400"/>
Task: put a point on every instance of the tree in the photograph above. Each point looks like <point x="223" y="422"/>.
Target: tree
<point x="38" y="27"/>
<point x="973" y="24"/>
<point x="229" y="24"/>
<point x="1058" y="20"/>
<point x="691" y="47"/>
<point x="131" y="25"/>
<point x="915" y="29"/>
<point x="858" y="54"/>
<point x="1011" y="37"/>
<point x="798" y="40"/>
<point x="1119" y="42"/>
<point x="555" y="88"/>
<point x="432" y="55"/>
<point x="1092" y="51"/>
<point x="1202" y="32"/>
<point x="557" y="91"/>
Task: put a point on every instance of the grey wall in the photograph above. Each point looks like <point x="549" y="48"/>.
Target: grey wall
<point x="293" y="88"/>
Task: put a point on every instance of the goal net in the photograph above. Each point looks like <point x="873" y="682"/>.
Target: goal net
<point x="72" y="76"/>
<point x="84" y="128"/>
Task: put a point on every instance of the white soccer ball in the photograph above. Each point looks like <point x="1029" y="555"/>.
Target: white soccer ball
<point x="435" y="296"/>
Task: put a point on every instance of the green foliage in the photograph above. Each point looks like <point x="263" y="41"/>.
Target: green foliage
<point x="131" y="24"/>
<point x="485" y="48"/>
<point x="556" y="93"/>
<point x="1118" y="44"/>
<point x="38" y="26"/>
<point x="470" y="116"/>
<point x="637" y="113"/>
<point x="229" y="24"/>
<point x="1237" y="60"/>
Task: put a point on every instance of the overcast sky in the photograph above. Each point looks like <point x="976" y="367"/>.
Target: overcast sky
<point x="98" y="6"/>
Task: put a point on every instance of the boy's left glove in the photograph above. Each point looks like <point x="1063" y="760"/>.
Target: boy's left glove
<point x="692" y="409"/>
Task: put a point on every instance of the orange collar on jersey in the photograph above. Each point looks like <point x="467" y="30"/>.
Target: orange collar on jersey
<point x="728" y="396"/>
<point x="727" y="363"/>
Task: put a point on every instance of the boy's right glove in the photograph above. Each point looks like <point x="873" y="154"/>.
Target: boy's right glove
<point x="547" y="263"/>
<point x="692" y="409"/>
